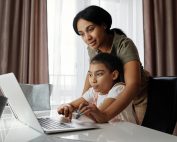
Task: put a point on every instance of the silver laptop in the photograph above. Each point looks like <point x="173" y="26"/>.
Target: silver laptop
<point x="11" y="89"/>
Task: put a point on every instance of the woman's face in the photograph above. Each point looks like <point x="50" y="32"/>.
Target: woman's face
<point x="92" y="34"/>
<point x="100" y="78"/>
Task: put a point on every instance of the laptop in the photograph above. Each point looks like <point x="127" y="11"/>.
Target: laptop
<point x="22" y="110"/>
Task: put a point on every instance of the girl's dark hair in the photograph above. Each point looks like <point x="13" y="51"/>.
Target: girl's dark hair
<point x="111" y="62"/>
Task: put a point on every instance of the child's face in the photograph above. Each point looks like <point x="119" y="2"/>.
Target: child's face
<point x="100" y="78"/>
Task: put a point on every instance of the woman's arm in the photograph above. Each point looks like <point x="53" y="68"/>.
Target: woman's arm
<point x="86" y="85"/>
<point x="132" y="76"/>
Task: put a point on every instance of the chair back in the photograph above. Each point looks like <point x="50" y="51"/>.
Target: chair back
<point x="161" y="112"/>
<point x="38" y="95"/>
<point x="3" y="101"/>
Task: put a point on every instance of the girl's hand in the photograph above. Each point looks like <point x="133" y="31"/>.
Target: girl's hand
<point x="66" y="110"/>
<point x="91" y="111"/>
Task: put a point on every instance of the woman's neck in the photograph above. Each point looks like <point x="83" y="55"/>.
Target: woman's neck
<point x="107" y="45"/>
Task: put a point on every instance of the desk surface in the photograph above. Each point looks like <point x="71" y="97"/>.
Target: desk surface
<point x="11" y="130"/>
<point x="120" y="132"/>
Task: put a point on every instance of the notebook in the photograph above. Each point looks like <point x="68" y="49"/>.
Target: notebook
<point x="22" y="110"/>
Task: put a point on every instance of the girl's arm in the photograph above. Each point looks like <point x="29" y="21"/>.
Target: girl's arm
<point x="68" y="109"/>
<point x="86" y="85"/>
<point x="75" y="104"/>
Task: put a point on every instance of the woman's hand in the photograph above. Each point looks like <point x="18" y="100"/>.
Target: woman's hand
<point x="66" y="110"/>
<point x="91" y="111"/>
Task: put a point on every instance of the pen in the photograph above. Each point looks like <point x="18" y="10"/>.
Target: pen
<point x="79" y="114"/>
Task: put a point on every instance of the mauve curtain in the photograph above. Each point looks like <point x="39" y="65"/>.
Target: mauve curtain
<point x="160" y="33"/>
<point x="23" y="40"/>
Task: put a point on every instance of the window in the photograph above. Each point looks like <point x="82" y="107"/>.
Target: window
<point x="68" y="59"/>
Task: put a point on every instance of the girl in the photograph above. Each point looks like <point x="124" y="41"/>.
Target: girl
<point x="106" y="84"/>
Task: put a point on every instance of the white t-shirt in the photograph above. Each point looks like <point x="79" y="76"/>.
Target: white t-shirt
<point x="97" y="98"/>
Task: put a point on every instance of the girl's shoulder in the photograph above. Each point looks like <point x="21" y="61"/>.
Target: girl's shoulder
<point x="89" y="92"/>
<point x="119" y="86"/>
<point x="116" y="89"/>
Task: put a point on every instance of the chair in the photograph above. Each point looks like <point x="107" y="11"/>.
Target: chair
<point x="161" y="112"/>
<point x="3" y="101"/>
<point x="38" y="95"/>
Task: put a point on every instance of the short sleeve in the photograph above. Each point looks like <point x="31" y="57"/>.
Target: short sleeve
<point x="128" y="52"/>
<point x="125" y="49"/>
<point x="88" y="95"/>
<point x="116" y="91"/>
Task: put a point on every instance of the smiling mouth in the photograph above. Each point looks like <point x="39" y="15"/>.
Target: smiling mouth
<point x="92" y="43"/>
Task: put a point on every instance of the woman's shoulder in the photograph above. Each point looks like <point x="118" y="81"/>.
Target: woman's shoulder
<point x="124" y="48"/>
<point x="122" y="41"/>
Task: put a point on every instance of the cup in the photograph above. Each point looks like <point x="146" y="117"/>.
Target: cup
<point x="3" y="101"/>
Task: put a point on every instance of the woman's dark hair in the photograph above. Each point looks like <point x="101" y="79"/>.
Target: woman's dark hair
<point x="97" y="15"/>
<point x="118" y="31"/>
<point x="111" y="62"/>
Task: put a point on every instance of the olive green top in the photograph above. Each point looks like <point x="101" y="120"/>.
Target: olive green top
<point x="126" y="50"/>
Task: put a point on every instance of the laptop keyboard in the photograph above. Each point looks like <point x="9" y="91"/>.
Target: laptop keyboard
<point x="49" y="123"/>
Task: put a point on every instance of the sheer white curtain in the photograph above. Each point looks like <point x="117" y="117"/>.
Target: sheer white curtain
<point x="68" y="58"/>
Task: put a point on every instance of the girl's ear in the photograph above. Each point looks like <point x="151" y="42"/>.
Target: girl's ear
<point x="115" y="75"/>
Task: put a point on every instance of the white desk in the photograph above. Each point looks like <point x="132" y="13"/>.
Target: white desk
<point x="120" y="132"/>
<point x="12" y="130"/>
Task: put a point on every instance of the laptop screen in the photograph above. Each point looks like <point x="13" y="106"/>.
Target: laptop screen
<point x="17" y="101"/>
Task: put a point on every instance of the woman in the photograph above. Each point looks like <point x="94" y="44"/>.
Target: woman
<point x="93" y="25"/>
